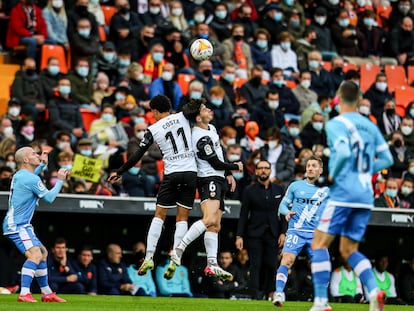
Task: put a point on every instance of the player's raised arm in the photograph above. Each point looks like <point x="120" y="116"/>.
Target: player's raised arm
<point x="145" y="143"/>
<point x="51" y="194"/>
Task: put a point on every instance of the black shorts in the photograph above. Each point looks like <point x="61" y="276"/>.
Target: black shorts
<point x="213" y="188"/>
<point x="177" y="189"/>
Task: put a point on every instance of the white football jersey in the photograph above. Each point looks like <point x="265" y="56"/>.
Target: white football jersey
<point x="173" y="136"/>
<point x="206" y="144"/>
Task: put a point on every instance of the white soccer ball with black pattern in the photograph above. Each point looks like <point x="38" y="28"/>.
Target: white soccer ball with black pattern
<point x="201" y="49"/>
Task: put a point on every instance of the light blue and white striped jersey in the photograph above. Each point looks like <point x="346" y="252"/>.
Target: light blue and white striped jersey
<point x="308" y="201"/>
<point x="358" y="150"/>
<point x="25" y="192"/>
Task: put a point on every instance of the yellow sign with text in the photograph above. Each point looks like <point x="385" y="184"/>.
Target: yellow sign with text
<point x="86" y="168"/>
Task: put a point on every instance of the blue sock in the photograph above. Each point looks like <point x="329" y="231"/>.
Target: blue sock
<point x="321" y="273"/>
<point x="363" y="269"/>
<point x="28" y="271"/>
<point x="41" y="277"/>
<point x="281" y="278"/>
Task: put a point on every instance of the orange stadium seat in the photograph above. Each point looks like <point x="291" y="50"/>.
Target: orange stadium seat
<point x="88" y="117"/>
<point x="290" y="84"/>
<point x="102" y="33"/>
<point x="238" y="82"/>
<point x="327" y="65"/>
<point x="56" y="51"/>
<point x="395" y="76"/>
<point x="368" y="74"/>
<point x="108" y="12"/>
<point x="8" y="70"/>
<point x="184" y="80"/>
<point x="403" y="96"/>
<point x="410" y="70"/>
<point x="349" y="66"/>
<point x="5" y="82"/>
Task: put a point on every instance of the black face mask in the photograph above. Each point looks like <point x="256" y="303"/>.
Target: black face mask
<point x="240" y="131"/>
<point x="83" y="9"/>
<point x="338" y="70"/>
<point x="30" y="72"/>
<point x="139" y="258"/>
<point x="206" y="72"/>
<point x="256" y="80"/>
<point x="390" y="112"/>
<point x="147" y="38"/>
<point x="238" y="37"/>
<point x="398" y="143"/>
<point x="123" y="10"/>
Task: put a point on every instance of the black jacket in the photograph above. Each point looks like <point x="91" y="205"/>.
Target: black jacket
<point x="310" y="136"/>
<point x="64" y="114"/>
<point x="259" y="211"/>
<point x="377" y="99"/>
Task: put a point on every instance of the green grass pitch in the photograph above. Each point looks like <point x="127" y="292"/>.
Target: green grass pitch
<point x="103" y="303"/>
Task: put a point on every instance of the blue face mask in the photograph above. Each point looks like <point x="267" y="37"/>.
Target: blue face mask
<point x="229" y="77"/>
<point x="285" y="45"/>
<point x="86" y="153"/>
<point x="53" y="70"/>
<point x="294" y="131"/>
<point x="134" y="170"/>
<point x="157" y="57"/>
<point x="107" y="117"/>
<point x="124" y="62"/>
<point x="196" y="95"/>
<point x="261" y="44"/>
<point x="278" y="16"/>
<point x="337" y="108"/>
<point x="279" y="82"/>
<point x="84" y="32"/>
<point x="343" y="22"/>
<point x="391" y="193"/>
<point x="221" y="14"/>
<point x="369" y="22"/>
<point x="204" y="36"/>
<point x="139" y="120"/>
<point x="327" y="110"/>
<point x="313" y="64"/>
<point x="290" y="2"/>
<point x="119" y="96"/>
<point x="295" y="23"/>
<point x="109" y="56"/>
<point x="64" y="89"/>
<point x="217" y="102"/>
<point x="238" y="175"/>
<point x="83" y="71"/>
<point x="412" y="113"/>
<point x="66" y="166"/>
<point x="318" y="126"/>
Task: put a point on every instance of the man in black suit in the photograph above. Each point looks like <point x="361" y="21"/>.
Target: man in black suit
<point x="263" y="229"/>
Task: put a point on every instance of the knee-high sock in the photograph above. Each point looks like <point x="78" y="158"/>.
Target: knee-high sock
<point x="363" y="269"/>
<point x="193" y="233"/>
<point x="28" y="272"/>
<point x="211" y="244"/>
<point x="181" y="228"/>
<point x="41" y="277"/>
<point x="281" y="278"/>
<point x="321" y="272"/>
<point x="153" y="236"/>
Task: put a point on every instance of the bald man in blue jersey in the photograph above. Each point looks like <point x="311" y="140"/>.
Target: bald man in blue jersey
<point x="26" y="190"/>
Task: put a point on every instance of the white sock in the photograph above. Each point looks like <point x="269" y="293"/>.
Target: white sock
<point x="153" y="236"/>
<point x="211" y="244"/>
<point x="181" y="228"/>
<point x="193" y="233"/>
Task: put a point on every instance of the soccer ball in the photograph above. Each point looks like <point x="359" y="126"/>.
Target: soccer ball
<point x="201" y="49"/>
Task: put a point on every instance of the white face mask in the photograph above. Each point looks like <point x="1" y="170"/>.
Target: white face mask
<point x="62" y="145"/>
<point x="57" y="4"/>
<point x="231" y="141"/>
<point x="8" y="131"/>
<point x="381" y="86"/>
<point x="233" y="157"/>
<point x="154" y="10"/>
<point x="411" y="170"/>
<point x="199" y="18"/>
<point x="406" y="130"/>
<point x="305" y="84"/>
<point x="177" y="11"/>
<point x="255" y="161"/>
<point x="273" y="104"/>
<point x="167" y="76"/>
<point x="364" y="110"/>
<point x="14" y="111"/>
<point x="320" y="20"/>
<point x="272" y="144"/>
<point x="140" y="135"/>
<point x="11" y="164"/>
<point x="406" y="190"/>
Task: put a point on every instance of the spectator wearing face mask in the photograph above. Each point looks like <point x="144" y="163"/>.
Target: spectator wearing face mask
<point x="166" y="85"/>
<point x="62" y="143"/>
<point x="406" y="194"/>
<point x="6" y="173"/>
<point x="13" y="114"/>
<point x="389" y="121"/>
<point x="221" y="23"/>
<point x="195" y="91"/>
<point x="400" y="154"/>
<point x="323" y="41"/>
<point x="364" y="108"/>
<point x="400" y="9"/>
<point x="49" y="76"/>
<point x="389" y="198"/>
<point x="107" y="62"/>
<point x="153" y="63"/>
<point x="78" y="12"/>
<point x="251" y="141"/>
<point x="57" y="22"/>
<point x="402" y="42"/>
<point x="284" y="57"/>
<point x="25" y="132"/>
<point x="260" y="48"/>
<point x="302" y="91"/>
<point x="101" y="89"/>
<point x="84" y="43"/>
<point x="290" y="135"/>
<point x="313" y="132"/>
<point x="406" y="128"/>
<point x="221" y="107"/>
<point x="81" y="82"/>
<point x="378" y="94"/>
<point x="273" y="21"/>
